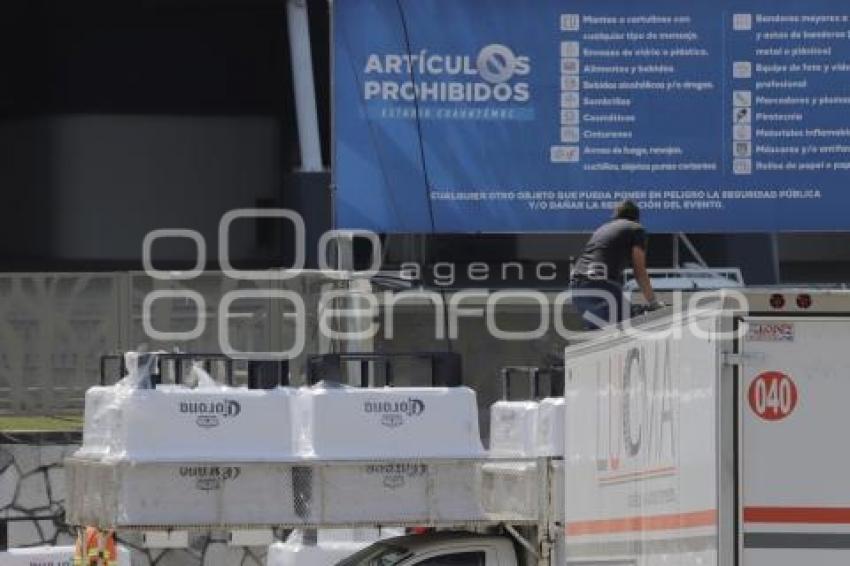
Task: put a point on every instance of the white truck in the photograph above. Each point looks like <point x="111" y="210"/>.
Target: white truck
<point x="711" y="437"/>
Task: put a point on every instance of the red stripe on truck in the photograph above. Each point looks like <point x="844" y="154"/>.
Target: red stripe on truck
<point x="671" y="522"/>
<point x="811" y="515"/>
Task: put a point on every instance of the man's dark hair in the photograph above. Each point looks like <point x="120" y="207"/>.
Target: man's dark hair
<point x="627" y="210"/>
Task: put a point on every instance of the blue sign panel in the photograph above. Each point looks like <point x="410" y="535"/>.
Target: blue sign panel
<point x="507" y="116"/>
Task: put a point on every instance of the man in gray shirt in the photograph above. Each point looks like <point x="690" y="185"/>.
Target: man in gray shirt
<point x="616" y="245"/>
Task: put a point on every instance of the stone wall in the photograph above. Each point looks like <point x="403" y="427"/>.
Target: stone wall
<point x="32" y="484"/>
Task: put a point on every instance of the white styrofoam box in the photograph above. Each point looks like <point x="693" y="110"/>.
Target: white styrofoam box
<point x="409" y="422"/>
<point x="174" y="423"/>
<point x="110" y="493"/>
<point x="400" y="491"/>
<point x="118" y="493"/>
<point x="224" y="423"/>
<point x="513" y="428"/>
<point x="510" y="489"/>
<point x="50" y="556"/>
<point x="322" y="554"/>
<point x="457" y="491"/>
<point x="550" y="427"/>
<point x="234" y="495"/>
<point x="89" y="488"/>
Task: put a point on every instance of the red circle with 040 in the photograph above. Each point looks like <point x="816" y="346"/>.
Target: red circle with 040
<point x="773" y="395"/>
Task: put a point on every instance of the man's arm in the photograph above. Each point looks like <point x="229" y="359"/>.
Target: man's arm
<point x="639" y="266"/>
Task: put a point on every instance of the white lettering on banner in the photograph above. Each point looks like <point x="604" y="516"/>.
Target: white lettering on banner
<point x="488" y="76"/>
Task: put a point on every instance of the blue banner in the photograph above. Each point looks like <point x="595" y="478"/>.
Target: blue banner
<point x="509" y="116"/>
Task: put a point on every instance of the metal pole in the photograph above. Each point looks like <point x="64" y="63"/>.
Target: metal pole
<point x="676" y="251"/>
<point x="300" y="52"/>
<point x="776" y="257"/>
<point x="691" y="248"/>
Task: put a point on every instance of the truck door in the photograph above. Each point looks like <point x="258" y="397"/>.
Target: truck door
<point x="794" y="462"/>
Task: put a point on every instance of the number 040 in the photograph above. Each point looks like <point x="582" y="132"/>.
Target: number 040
<point x="773" y="395"/>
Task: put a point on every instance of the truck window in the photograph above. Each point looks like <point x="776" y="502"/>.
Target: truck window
<point x="379" y="554"/>
<point x="456" y="559"/>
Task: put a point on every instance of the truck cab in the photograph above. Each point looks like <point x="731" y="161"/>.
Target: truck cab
<point x="437" y="549"/>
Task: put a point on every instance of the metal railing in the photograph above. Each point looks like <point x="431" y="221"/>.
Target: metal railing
<point x="688" y="278"/>
<point x="54" y="327"/>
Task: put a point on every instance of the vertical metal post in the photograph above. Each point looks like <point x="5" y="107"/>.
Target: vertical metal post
<point x="364" y="374"/>
<point x="506" y="385"/>
<point x="283" y="373"/>
<point x="389" y="376"/>
<point x="178" y="371"/>
<point x="300" y="50"/>
<point x="774" y="249"/>
<point x="361" y="287"/>
<point x="676" y="263"/>
<point x="535" y="384"/>
<point x="228" y="371"/>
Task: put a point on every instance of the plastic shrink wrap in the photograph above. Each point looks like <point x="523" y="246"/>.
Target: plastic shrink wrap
<point x="137" y="495"/>
<point x="551" y="420"/>
<point x="511" y="489"/>
<point x="424" y="492"/>
<point x="513" y="429"/>
<point x="133" y="422"/>
<point x="213" y="455"/>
